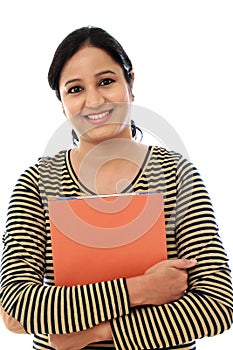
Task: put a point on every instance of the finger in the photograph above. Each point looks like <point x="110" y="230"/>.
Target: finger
<point x="182" y="263"/>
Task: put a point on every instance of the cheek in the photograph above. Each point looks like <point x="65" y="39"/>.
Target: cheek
<point x="68" y="111"/>
<point x="70" y="108"/>
<point x="126" y="97"/>
<point x="128" y="94"/>
<point x="122" y="95"/>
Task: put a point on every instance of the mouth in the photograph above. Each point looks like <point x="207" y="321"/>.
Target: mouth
<point x="101" y="117"/>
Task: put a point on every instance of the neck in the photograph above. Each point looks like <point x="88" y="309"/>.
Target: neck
<point x="90" y="159"/>
<point x="94" y="155"/>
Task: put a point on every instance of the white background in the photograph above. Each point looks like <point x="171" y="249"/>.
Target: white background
<point x="182" y="55"/>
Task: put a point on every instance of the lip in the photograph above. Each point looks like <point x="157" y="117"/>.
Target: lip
<point x="106" y="116"/>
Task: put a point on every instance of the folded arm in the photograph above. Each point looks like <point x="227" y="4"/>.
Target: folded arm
<point x="40" y="308"/>
<point x="206" y="309"/>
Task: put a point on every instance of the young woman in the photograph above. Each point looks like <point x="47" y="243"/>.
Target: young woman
<point x="176" y="301"/>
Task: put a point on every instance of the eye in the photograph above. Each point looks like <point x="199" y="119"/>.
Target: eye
<point x="106" y="81"/>
<point x="75" y="90"/>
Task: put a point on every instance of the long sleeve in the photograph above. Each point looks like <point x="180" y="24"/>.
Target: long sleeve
<point x="42" y="308"/>
<point x="206" y="309"/>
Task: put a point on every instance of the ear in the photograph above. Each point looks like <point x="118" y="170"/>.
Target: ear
<point x="132" y="80"/>
<point x="131" y="84"/>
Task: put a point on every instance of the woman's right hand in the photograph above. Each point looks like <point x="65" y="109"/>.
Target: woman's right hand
<point x="162" y="283"/>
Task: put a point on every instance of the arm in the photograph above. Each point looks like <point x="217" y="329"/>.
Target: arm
<point x="39" y="308"/>
<point x="163" y="282"/>
<point x="206" y="308"/>
<point x="10" y="322"/>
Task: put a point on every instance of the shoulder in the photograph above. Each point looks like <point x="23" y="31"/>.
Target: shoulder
<point x="163" y="155"/>
<point x="173" y="160"/>
<point x="54" y="161"/>
<point x="31" y="175"/>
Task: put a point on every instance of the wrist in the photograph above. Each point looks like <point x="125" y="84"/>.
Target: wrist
<point x="95" y="335"/>
<point x="102" y="332"/>
<point x="136" y="292"/>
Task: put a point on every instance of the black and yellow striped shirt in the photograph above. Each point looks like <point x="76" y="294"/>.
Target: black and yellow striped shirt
<point x="27" y="282"/>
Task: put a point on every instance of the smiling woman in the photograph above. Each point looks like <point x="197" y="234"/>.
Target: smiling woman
<point x="100" y="96"/>
<point x="174" y="302"/>
<point x="92" y="75"/>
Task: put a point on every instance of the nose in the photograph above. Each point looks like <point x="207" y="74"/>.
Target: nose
<point x="93" y="98"/>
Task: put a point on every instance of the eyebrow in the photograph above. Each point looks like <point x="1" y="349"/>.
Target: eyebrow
<point x="97" y="75"/>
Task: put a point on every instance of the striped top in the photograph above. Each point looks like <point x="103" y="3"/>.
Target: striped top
<point x="28" y="292"/>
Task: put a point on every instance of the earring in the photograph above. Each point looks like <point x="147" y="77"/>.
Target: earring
<point x="132" y="95"/>
<point x="75" y="138"/>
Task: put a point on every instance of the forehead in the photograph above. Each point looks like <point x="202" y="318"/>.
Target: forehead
<point x="89" y="60"/>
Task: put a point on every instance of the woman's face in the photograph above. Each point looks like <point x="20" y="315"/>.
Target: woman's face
<point x="95" y="95"/>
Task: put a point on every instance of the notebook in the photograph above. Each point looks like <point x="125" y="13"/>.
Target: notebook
<point x="100" y="238"/>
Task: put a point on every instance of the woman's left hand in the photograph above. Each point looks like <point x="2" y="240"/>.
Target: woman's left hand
<point x="78" y="340"/>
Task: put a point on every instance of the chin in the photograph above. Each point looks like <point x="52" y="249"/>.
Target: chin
<point x="104" y="133"/>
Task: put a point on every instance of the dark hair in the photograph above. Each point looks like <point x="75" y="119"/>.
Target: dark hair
<point x="96" y="37"/>
<point x="92" y="36"/>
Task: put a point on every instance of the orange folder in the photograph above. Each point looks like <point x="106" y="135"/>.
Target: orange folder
<point x="99" y="238"/>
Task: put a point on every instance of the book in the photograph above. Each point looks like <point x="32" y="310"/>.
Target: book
<point x="100" y="238"/>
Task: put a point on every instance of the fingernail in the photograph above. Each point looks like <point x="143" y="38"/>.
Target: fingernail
<point x="193" y="260"/>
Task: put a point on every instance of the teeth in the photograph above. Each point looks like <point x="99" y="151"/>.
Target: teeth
<point x="98" y="116"/>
